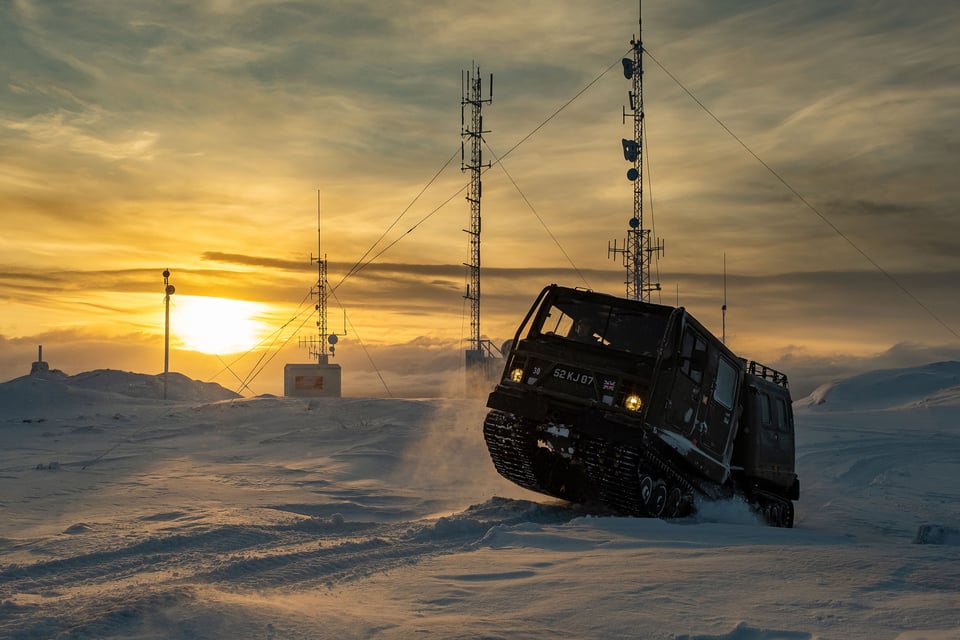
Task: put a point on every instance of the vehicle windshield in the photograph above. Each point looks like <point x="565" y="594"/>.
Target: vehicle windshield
<point x="627" y="327"/>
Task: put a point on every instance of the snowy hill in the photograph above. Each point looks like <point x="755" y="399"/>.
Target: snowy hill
<point x="125" y="517"/>
<point x="936" y="384"/>
<point x="55" y="391"/>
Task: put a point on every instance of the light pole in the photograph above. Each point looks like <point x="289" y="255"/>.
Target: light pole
<point x="168" y="291"/>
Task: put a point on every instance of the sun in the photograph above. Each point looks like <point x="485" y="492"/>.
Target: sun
<point x="216" y="325"/>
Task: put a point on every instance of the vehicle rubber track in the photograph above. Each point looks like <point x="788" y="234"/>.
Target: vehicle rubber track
<point x="623" y="475"/>
<point x="512" y="450"/>
<point x="615" y="472"/>
<point x="635" y="480"/>
<point x="775" y="509"/>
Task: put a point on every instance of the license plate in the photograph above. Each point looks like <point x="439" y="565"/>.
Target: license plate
<point x="572" y="375"/>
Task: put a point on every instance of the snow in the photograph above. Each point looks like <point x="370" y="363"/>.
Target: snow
<point x="201" y="517"/>
<point x="933" y="384"/>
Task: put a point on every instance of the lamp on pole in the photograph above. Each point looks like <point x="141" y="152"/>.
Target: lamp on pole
<point x="168" y="291"/>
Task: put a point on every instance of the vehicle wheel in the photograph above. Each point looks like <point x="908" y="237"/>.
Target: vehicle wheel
<point x="775" y="514"/>
<point x="788" y="515"/>
<point x="672" y="506"/>
<point x="658" y="500"/>
<point x="646" y="489"/>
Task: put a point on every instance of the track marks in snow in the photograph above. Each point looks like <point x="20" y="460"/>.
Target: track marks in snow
<point x="124" y="586"/>
<point x="169" y="552"/>
<point x="744" y="631"/>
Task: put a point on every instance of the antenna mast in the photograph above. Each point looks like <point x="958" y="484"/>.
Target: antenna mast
<point x="638" y="248"/>
<point x="317" y="347"/>
<point x="321" y="379"/>
<point x="472" y="131"/>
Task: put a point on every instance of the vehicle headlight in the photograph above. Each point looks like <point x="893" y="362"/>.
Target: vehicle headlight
<point x="632" y="402"/>
<point x="517" y="374"/>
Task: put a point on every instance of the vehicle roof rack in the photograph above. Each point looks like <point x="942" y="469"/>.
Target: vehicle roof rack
<point x="767" y="373"/>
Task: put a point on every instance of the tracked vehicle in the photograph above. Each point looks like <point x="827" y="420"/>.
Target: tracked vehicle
<point x="639" y="407"/>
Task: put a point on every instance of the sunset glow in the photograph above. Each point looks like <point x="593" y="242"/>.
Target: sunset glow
<point x="136" y="137"/>
<point x="216" y="326"/>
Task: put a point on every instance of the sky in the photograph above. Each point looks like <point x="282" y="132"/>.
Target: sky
<point x="194" y="137"/>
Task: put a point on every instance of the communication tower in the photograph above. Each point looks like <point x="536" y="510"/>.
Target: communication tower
<point x="639" y="248"/>
<point x="479" y="353"/>
<point x="322" y="378"/>
<point x="318" y="347"/>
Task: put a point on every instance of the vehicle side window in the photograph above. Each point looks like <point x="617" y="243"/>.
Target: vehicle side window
<point x="782" y="424"/>
<point x="766" y="416"/>
<point x="726" y="388"/>
<point x="686" y="352"/>
<point x="693" y="355"/>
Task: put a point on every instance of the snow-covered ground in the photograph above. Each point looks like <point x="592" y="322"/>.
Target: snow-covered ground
<point x="128" y="517"/>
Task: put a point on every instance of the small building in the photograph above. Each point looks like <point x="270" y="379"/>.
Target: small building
<point x="311" y="380"/>
<point x="482" y="371"/>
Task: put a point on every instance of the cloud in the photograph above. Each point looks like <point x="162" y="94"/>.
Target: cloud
<point x="194" y="136"/>
<point x="254" y="261"/>
<point x="69" y="132"/>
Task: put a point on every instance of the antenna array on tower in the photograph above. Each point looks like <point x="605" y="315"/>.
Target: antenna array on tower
<point x="479" y="353"/>
<point x="472" y="130"/>
<point x="322" y="378"/>
<point x="318" y="347"/>
<point x="638" y="249"/>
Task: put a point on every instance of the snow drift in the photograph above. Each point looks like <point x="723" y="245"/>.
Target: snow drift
<point x="129" y="517"/>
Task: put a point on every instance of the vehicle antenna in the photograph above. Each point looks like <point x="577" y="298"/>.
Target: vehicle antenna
<point x="723" y="322"/>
